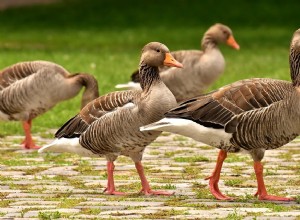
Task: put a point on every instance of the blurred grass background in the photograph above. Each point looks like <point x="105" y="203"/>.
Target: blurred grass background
<point x="105" y="37"/>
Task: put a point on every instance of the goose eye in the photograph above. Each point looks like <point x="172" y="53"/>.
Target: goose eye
<point x="158" y="50"/>
<point x="225" y="33"/>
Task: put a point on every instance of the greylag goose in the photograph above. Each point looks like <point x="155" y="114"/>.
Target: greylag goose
<point x="109" y="125"/>
<point x="28" y="89"/>
<point x="201" y="68"/>
<point x="252" y="115"/>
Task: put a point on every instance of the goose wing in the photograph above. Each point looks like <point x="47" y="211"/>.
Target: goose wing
<point x="22" y="70"/>
<point x="217" y="108"/>
<point x="95" y="110"/>
<point x="266" y="128"/>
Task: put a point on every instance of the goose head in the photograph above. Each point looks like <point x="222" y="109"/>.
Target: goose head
<point x="295" y="43"/>
<point x="295" y="58"/>
<point x="156" y="54"/>
<point x="220" y="33"/>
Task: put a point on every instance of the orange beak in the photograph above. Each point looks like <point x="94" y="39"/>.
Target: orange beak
<point x="231" y="42"/>
<point x="170" y="61"/>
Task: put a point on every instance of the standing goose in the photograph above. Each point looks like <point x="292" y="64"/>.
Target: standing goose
<point x="253" y="115"/>
<point x="28" y="89"/>
<point x="201" y="68"/>
<point x="109" y="125"/>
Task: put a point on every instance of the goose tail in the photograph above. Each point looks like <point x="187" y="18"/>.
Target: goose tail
<point x="174" y="125"/>
<point x="129" y="85"/>
<point x="70" y="145"/>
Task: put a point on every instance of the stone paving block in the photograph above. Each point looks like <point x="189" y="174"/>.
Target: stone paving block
<point x="80" y="186"/>
<point x="31" y="201"/>
<point x="285" y="214"/>
<point x="26" y="195"/>
<point x="128" y="212"/>
<point x="31" y="214"/>
<point x="63" y="171"/>
<point x="268" y="218"/>
<point x="16" y="174"/>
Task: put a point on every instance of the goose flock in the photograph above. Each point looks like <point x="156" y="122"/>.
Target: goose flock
<point x="201" y="68"/>
<point x="167" y="93"/>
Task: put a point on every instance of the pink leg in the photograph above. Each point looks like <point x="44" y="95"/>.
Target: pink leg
<point x="215" y="177"/>
<point x="261" y="188"/>
<point x="145" y="185"/>
<point x="28" y="143"/>
<point x="110" y="189"/>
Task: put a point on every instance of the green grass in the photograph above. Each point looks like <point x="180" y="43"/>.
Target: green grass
<point x="105" y="38"/>
<point x="49" y="215"/>
<point x="191" y="159"/>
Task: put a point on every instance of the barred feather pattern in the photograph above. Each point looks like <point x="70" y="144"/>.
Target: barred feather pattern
<point x="115" y="120"/>
<point x="295" y="66"/>
<point x="277" y="124"/>
<point x="29" y="89"/>
<point x="22" y="70"/>
<point x="118" y="136"/>
<point x="217" y="108"/>
<point x="148" y="75"/>
<point x="269" y="127"/>
<point x="93" y="111"/>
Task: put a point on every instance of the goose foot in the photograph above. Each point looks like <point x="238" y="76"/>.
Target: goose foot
<point x="113" y="192"/>
<point x="215" y="177"/>
<point x="110" y="189"/>
<point x="146" y="190"/>
<point x="273" y="198"/>
<point x="28" y="143"/>
<point x="214" y="189"/>
<point x="149" y="192"/>
<point x="261" y="188"/>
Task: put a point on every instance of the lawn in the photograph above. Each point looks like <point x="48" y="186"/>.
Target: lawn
<point x="105" y="37"/>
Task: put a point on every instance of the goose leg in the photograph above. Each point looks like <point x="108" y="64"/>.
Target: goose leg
<point x="261" y="188"/>
<point x="145" y="184"/>
<point x="110" y="189"/>
<point x="215" y="177"/>
<point x="28" y="143"/>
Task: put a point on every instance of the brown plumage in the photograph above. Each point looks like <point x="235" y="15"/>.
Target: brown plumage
<point x="28" y="89"/>
<point x="253" y="115"/>
<point x="201" y="68"/>
<point x="109" y="125"/>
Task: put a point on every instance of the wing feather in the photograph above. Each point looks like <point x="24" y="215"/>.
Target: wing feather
<point x="93" y="111"/>
<point x="217" y="108"/>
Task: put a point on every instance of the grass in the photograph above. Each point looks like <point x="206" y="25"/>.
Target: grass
<point x="102" y="38"/>
<point x="165" y="214"/>
<point x="233" y="182"/>
<point x="234" y="216"/>
<point x="191" y="159"/>
<point x="49" y="215"/>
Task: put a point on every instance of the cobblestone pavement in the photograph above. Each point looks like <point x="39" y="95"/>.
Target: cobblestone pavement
<point x="65" y="186"/>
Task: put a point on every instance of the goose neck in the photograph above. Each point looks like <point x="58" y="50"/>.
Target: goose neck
<point x="91" y="91"/>
<point x="149" y="76"/>
<point x="208" y="42"/>
<point x="295" y="67"/>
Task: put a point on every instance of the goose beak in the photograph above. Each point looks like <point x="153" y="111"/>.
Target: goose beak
<point x="231" y="42"/>
<point x="170" y="61"/>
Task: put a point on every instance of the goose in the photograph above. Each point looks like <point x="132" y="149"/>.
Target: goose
<point x="252" y="115"/>
<point x="201" y="68"/>
<point x="28" y="89"/>
<point x="109" y="125"/>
